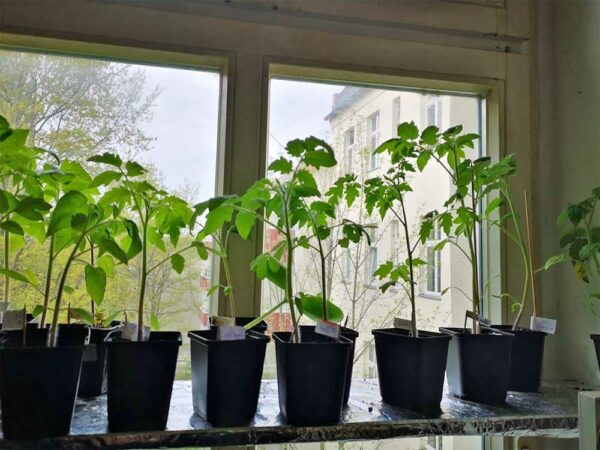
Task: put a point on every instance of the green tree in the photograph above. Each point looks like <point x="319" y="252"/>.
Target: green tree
<point x="76" y="107"/>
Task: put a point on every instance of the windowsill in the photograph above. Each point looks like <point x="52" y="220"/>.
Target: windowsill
<point x="552" y="412"/>
<point x="431" y="295"/>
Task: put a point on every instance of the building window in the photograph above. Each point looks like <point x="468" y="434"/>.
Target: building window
<point x="434" y="113"/>
<point x="396" y="118"/>
<point x="349" y="147"/>
<point x="372" y="257"/>
<point x="373" y="133"/>
<point x="434" y="263"/>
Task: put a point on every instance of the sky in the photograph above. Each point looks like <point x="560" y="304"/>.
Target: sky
<point x="185" y="122"/>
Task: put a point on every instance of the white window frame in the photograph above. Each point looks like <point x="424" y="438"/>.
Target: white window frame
<point x="373" y="128"/>
<point x="349" y="147"/>
<point x="436" y="104"/>
<point x="433" y="239"/>
<point x="396" y="114"/>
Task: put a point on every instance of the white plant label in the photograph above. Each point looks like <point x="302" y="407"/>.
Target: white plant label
<point x="222" y="320"/>
<point x="4" y="306"/>
<point x="543" y="324"/>
<point x="477" y="318"/>
<point x="13" y="319"/>
<point x="130" y="332"/>
<point x="91" y="353"/>
<point x="327" y="328"/>
<point x="230" y="333"/>
<point x="403" y="324"/>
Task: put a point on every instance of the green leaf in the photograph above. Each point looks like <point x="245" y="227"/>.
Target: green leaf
<point x="319" y="158"/>
<point x="154" y="323"/>
<point x="134" y="169"/>
<point x="105" y="178"/>
<point x="95" y="282"/>
<point x="553" y="260"/>
<point x="112" y="316"/>
<point x="68" y="206"/>
<point x="312" y="307"/>
<point x="281" y="165"/>
<point x="16" y="276"/>
<point x="423" y="159"/>
<point x="178" y="263"/>
<point x="429" y="135"/>
<point x="32" y="208"/>
<point x="111" y="247"/>
<point x="570" y="236"/>
<point x="84" y="315"/>
<point x="13" y="227"/>
<point x="107" y="263"/>
<point x="201" y="249"/>
<point x="217" y="217"/>
<point x="408" y="131"/>
<point x="212" y="290"/>
<point x="268" y="267"/>
<point x="107" y="158"/>
<point x="493" y="205"/>
<point x="37" y="310"/>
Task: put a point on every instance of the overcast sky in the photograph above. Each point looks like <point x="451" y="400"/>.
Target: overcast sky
<point x="185" y="122"/>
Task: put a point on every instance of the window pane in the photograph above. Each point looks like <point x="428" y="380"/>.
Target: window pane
<point x="165" y="118"/>
<point x="328" y="111"/>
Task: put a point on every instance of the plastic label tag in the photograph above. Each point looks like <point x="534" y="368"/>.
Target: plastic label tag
<point x="130" y="332"/>
<point x="91" y="353"/>
<point x="477" y="318"/>
<point x="13" y="320"/>
<point x="230" y="333"/>
<point x="4" y="306"/>
<point x="330" y="329"/>
<point x="403" y="324"/>
<point x="543" y="324"/>
<point x="222" y="320"/>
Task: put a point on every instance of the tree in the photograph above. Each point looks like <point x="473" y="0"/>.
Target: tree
<point x="76" y="107"/>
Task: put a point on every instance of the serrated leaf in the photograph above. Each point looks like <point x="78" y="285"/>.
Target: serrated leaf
<point x="134" y="169"/>
<point x="281" y="165"/>
<point x="408" y="131"/>
<point x="107" y="158"/>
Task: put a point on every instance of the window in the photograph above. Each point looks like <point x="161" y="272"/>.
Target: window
<point x="372" y="256"/>
<point x="434" y="264"/>
<point x="165" y="118"/>
<point x="372" y="361"/>
<point x="373" y="132"/>
<point x="350" y="272"/>
<point x="396" y="116"/>
<point x="349" y="144"/>
<point x="433" y="113"/>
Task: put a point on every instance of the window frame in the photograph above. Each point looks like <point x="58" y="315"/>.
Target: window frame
<point x="373" y="133"/>
<point x="429" y="245"/>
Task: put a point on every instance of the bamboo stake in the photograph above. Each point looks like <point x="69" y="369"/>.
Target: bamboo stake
<point x="530" y="254"/>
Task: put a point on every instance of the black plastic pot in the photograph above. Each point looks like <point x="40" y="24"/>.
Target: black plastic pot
<point x="74" y="334"/>
<point x="34" y="336"/>
<point x="226" y="376"/>
<point x="526" y="359"/>
<point x="260" y="327"/>
<point x="38" y="386"/>
<point x="140" y="381"/>
<point x="596" y="339"/>
<point x="411" y="370"/>
<point x="311" y="378"/>
<point x="351" y="335"/>
<point x="478" y="366"/>
<point x="93" y="370"/>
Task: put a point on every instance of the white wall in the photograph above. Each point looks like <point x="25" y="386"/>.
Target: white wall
<point x="569" y="166"/>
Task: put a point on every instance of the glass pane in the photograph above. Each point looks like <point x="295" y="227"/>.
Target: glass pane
<point x="165" y="118"/>
<point x="328" y="111"/>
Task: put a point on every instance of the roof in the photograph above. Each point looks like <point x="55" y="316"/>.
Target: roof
<point x="346" y="98"/>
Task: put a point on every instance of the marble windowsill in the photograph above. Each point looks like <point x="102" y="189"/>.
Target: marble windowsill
<point x="553" y="412"/>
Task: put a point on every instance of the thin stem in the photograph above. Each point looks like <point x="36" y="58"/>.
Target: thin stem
<point x="263" y="316"/>
<point x="93" y="263"/>
<point x="48" y="283"/>
<point x="289" y="291"/>
<point x="6" y="266"/>
<point x="143" y="283"/>
<point x="59" y="294"/>
<point x="413" y="316"/>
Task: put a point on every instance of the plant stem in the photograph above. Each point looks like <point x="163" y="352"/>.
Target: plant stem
<point x="413" y="315"/>
<point x="289" y="291"/>
<point x="92" y="262"/>
<point x="262" y="317"/>
<point x="6" y="266"/>
<point x="48" y="284"/>
<point x="143" y="282"/>
<point x="59" y="294"/>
